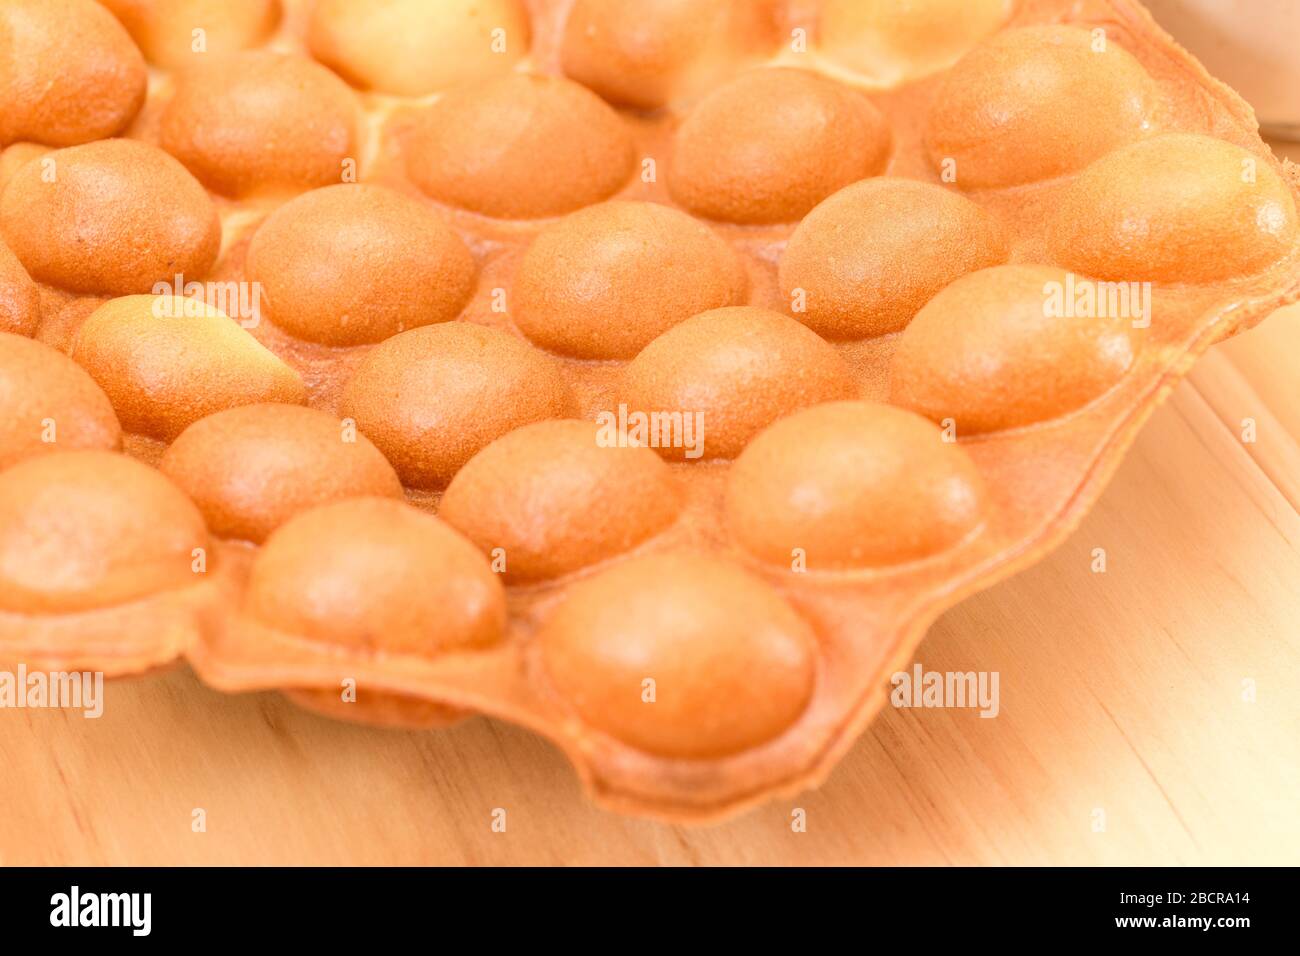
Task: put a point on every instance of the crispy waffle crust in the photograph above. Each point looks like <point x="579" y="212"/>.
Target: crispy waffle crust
<point x="478" y="230"/>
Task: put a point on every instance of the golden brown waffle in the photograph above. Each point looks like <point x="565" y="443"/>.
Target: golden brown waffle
<point x="903" y="280"/>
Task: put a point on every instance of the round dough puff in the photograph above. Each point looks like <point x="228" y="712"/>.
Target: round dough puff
<point x="44" y="394"/>
<point x="20" y="299"/>
<point x="83" y="530"/>
<point x="261" y="123"/>
<point x="376" y="576"/>
<point x="556" y="499"/>
<point x="521" y="147"/>
<point x="166" y="362"/>
<point x="164" y="29"/>
<point x="1175" y="208"/>
<point x="119" y="217"/>
<point x="990" y="352"/>
<point x="772" y="144"/>
<point x="742" y="368"/>
<point x="896" y="41"/>
<point x="871" y="255"/>
<point x="252" y="468"/>
<point x="353" y="264"/>
<point x="432" y="397"/>
<point x="733" y="664"/>
<point x="69" y="72"/>
<point x="646" y="53"/>
<point x="415" y="47"/>
<point x="605" y="281"/>
<point x="853" y="485"/>
<point x="1036" y="103"/>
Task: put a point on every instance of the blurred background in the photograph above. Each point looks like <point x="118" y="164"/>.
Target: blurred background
<point x="1249" y="44"/>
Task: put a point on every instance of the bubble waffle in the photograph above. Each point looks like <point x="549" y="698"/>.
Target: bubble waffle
<point x="649" y="374"/>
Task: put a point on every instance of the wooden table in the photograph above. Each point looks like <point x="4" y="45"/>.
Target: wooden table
<point x="1125" y="698"/>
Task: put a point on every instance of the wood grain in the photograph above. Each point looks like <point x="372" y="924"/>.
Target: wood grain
<point x="1120" y="691"/>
